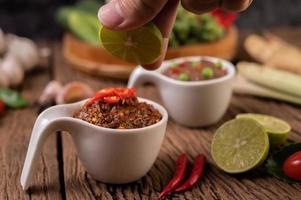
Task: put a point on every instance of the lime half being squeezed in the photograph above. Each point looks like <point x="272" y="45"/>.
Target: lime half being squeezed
<point x="140" y="46"/>
<point x="240" y="145"/>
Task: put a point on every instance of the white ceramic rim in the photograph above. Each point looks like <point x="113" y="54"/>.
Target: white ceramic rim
<point x="157" y="106"/>
<point x="167" y="63"/>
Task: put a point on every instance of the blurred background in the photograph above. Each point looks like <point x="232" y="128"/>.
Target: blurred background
<point x="267" y="33"/>
<point x="36" y="18"/>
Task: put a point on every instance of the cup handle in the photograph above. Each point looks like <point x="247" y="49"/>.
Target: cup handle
<point x="140" y="76"/>
<point x="49" y="121"/>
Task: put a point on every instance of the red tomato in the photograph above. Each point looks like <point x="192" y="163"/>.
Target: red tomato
<point x="2" y="107"/>
<point x="292" y="166"/>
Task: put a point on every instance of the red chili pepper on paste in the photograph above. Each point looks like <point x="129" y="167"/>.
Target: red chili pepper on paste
<point x="196" y="173"/>
<point x="111" y="99"/>
<point x="182" y="162"/>
<point x="112" y="95"/>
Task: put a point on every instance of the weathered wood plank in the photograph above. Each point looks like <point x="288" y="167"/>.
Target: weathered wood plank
<point x="15" y="131"/>
<point x="215" y="184"/>
<point x="218" y="185"/>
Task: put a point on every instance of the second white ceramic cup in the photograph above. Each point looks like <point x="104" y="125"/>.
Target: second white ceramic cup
<point x="194" y="103"/>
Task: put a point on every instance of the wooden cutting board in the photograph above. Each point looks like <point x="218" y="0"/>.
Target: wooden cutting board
<point x="96" y="61"/>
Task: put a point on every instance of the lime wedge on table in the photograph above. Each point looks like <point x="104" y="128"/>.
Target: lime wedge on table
<point x="139" y="46"/>
<point x="276" y="128"/>
<point x="239" y="145"/>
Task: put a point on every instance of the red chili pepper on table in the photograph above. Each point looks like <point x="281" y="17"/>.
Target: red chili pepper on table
<point x="196" y="173"/>
<point x="182" y="162"/>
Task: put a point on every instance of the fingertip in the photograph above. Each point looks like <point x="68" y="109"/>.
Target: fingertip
<point x="158" y="63"/>
<point x="199" y="7"/>
<point x="236" y="5"/>
<point x="153" y="66"/>
<point x="110" y="16"/>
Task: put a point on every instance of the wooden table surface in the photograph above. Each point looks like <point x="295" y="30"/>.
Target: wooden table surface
<point x="60" y="174"/>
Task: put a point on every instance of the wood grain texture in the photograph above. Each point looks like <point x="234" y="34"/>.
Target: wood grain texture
<point x="15" y="131"/>
<point x="60" y="174"/>
<point x="179" y="139"/>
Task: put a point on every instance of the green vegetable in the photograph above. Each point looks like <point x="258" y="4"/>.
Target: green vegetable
<point x="275" y="162"/>
<point x="280" y="80"/>
<point x="219" y="65"/>
<point x="85" y="26"/>
<point x="207" y="72"/>
<point x="81" y="20"/>
<point x="173" y="40"/>
<point x="12" y="99"/>
<point x="192" y="29"/>
<point x="89" y="6"/>
<point x="183" y="77"/>
<point x="243" y="86"/>
<point x="195" y="63"/>
<point x="62" y="16"/>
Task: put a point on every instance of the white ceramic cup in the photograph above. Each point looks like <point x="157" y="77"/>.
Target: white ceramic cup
<point x="109" y="155"/>
<point x="191" y="103"/>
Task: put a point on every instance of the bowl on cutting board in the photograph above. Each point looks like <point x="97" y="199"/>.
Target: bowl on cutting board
<point x="98" y="62"/>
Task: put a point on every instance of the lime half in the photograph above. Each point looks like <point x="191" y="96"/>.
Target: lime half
<point x="139" y="46"/>
<point x="239" y="145"/>
<point x="276" y="128"/>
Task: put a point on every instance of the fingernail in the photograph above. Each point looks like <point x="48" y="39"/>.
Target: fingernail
<point x="109" y="15"/>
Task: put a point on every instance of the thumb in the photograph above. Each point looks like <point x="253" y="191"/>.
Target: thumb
<point x="128" y="14"/>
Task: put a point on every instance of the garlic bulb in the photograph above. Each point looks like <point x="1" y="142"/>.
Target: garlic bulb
<point x="24" y="49"/>
<point x="74" y="91"/>
<point x="2" y="42"/>
<point x="12" y="70"/>
<point x="4" y="82"/>
<point x="3" y="77"/>
<point x="50" y="92"/>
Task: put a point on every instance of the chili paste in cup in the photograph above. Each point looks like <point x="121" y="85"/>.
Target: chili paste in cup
<point x="118" y="108"/>
<point x="195" y="70"/>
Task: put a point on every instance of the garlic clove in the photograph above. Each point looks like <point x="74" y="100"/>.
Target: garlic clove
<point x="4" y="82"/>
<point x="12" y="70"/>
<point x="50" y="92"/>
<point x="2" y="42"/>
<point x="74" y="91"/>
<point x="25" y="50"/>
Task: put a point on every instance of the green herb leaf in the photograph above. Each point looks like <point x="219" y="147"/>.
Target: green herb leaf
<point x="275" y="162"/>
<point x="12" y="98"/>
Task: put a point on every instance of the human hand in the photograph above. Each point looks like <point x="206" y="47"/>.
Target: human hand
<point x="123" y="15"/>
